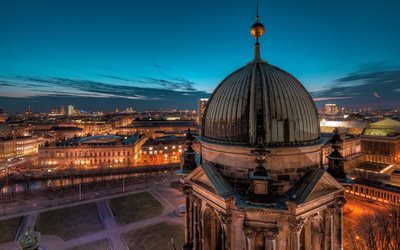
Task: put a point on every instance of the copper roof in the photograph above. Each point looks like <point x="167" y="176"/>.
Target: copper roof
<point x="260" y="99"/>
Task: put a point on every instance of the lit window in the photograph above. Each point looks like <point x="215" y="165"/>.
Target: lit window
<point x="150" y="148"/>
<point x="165" y="147"/>
<point x="151" y="152"/>
<point x="173" y="147"/>
<point x="180" y="150"/>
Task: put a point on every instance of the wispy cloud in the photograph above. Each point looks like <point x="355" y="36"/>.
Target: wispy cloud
<point x="359" y="86"/>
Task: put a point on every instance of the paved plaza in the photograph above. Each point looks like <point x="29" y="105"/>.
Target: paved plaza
<point x="109" y="234"/>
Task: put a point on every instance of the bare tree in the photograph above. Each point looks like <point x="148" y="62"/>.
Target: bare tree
<point x="380" y="231"/>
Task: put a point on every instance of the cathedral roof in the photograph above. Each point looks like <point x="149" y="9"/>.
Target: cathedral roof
<point x="261" y="99"/>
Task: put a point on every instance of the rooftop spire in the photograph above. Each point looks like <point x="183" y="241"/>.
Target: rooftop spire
<point x="257" y="30"/>
<point x="257" y="14"/>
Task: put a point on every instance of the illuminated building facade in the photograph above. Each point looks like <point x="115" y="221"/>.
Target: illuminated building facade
<point x="163" y="150"/>
<point x="2" y="116"/>
<point x="330" y="109"/>
<point x="71" y="110"/>
<point x="380" y="142"/>
<point x="350" y="148"/>
<point x="202" y="103"/>
<point x="261" y="184"/>
<point x="151" y="127"/>
<point x="17" y="146"/>
<point x="381" y="194"/>
<point x="93" y="151"/>
<point x="66" y="132"/>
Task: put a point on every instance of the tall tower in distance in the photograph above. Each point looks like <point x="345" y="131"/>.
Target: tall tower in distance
<point x="71" y="110"/>
<point x="201" y="105"/>
<point x="62" y="110"/>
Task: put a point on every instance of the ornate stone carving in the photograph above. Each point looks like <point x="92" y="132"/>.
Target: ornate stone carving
<point x="271" y="233"/>
<point x="315" y="217"/>
<point x="340" y="202"/>
<point x="208" y="206"/>
<point x="196" y="200"/>
<point x="225" y="218"/>
<point x="331" y="209"/>
<point x="187" y="190"/>
<point x="296" y="224"/>
<point x="250" y="232"/>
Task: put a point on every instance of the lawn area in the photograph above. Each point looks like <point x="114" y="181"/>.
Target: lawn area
<point x="155" y="236"/>
<point x="98" y="245"/>
<point x="9" y="229"/>
<point x="70" y="222"/>
<point x="135" y="207"/>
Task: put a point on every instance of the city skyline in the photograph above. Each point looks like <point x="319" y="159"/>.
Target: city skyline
<point x="137" y="55"/>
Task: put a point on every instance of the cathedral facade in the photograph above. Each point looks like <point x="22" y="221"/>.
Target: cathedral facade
<point x="260" y="184"/>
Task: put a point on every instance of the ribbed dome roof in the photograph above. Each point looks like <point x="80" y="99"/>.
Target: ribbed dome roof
<point x="260" y="99"/>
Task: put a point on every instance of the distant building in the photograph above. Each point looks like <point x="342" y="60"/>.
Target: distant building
<point x="71" y="110"/>
<point x="350" y="147"/>
<point x="16" y="146"/>
<point x="67" y="132"/>
<point x="380" y="142"/>
<point x="330" y="109"/>
<point x="150" y="127"/>
<point x="93" y="151"/>
<point x="62" y="110"/>
<point x="163" y="150"/>
<point x="3" y="116"/>
<point x="202" y="103"/>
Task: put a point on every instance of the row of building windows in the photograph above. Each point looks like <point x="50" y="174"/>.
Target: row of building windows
<point x="374" y="194"/>
<point x="87" y="162"/>
<point x="165" y="147"/>
<point x="157" y="152"/>
<point x="87" y="154"/>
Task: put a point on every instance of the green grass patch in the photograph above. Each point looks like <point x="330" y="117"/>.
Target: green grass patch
<point x="135" y="207"/>
<point x="98" y="245"/>
<point x="70" y="222"/>
<point x="9" y="229"/>
<point x="156" y="237"/>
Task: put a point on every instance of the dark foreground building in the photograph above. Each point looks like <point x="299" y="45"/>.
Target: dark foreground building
<point x="261" y="184"/>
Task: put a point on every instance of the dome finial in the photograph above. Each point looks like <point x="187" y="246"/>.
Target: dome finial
<point x="257" y="30"/>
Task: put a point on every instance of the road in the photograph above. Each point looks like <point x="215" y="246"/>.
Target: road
<point x="354" y="211"/>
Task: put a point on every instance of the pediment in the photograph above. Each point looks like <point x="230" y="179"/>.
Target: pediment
<point x="207" y="177"/>
<point x="202" y="180"/>
<point x="325" y="185"/>
<point x="313" y="185"/>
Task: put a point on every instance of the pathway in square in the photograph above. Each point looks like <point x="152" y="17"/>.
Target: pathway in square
<point x="166" y="195"/>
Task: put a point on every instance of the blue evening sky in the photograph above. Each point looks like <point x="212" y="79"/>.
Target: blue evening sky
<point x="188" y="47"/>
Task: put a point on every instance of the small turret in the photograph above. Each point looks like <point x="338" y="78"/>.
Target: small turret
<point x="188" y="156"/>
<point x="336" y="160"/>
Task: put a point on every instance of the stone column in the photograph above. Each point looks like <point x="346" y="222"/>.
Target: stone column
<point x="270" y="238"/>
<point x="339" y="223"/>
<point x="188" y="219"/>
<point x="195" y="231"/>
<point x="295" y="225"/>
<point x="225" y="224"/>
<point x="250" y="234"/>
<point x="329" y="227"/>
